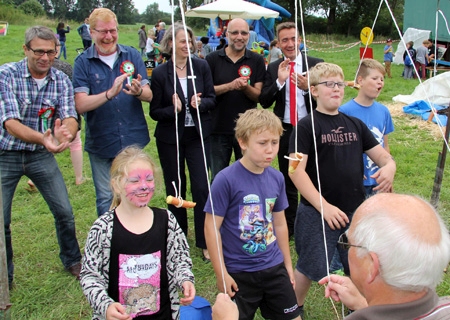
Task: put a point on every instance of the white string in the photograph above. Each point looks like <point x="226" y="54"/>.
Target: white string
<point x="319" y="185"/>
<point x="367" y="42"/>
<point x="177" y="139"/>
<point x="183" y="19"/>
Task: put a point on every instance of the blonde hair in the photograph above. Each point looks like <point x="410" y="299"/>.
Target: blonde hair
<point x="257" y="121"/>
<point x="102" y="14"/>
<point x="120" y="165"/>
<point x="324" y="69"/>
<point x="370" y="64"/>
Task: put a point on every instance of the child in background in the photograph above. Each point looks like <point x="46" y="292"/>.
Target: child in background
<point x="136" y="257"/>
<point x="422" y="59"/>
<point x="388" y="56"/>
<point x="409" y="60"/>
<point x="376" y="116"/>
<point x="246" y="213"/>
<point x="341" y="141"/>
<point x="149" y="50"/>
<point x="275" y="52"/>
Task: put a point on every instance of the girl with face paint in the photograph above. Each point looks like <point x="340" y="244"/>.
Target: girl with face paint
<point x="136" y="256"/>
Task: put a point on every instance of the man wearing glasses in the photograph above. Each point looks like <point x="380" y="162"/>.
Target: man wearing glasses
<point x="110" y="82"/>
<point x="398" y="247"/>
<point x="238" y="76"/>
<point x="38" y="119"/>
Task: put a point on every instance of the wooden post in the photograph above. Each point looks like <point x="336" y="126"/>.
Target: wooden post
<point x="440" y="167"/>
<point x="4" y="284"/>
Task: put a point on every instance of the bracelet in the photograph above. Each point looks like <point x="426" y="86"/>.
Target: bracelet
<point x="106" y="96"/>
<point x="139" y="94"/>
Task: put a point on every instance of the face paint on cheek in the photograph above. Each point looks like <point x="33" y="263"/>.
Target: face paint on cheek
<point x="140" y="187"/>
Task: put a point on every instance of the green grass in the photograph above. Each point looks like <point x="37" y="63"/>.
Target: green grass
<point x="43" y="290"/>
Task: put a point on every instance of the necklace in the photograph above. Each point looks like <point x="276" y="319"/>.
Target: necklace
<point x="181" y="68"/>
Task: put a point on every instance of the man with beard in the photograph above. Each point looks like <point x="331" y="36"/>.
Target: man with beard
<point x="238" y="76"/>
<point x="110" y="81"/>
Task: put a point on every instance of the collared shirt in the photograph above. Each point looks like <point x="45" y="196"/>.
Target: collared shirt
<point x="234" y="102"/>
<point x="301" y="107"/>
<point x="117" y="123"/>
<point x="22" y="99"/>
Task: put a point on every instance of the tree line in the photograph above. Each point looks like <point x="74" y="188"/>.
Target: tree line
<point x="346" y="17"/>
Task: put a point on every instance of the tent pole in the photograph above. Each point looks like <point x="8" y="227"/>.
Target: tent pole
<point x="440" y="167"/>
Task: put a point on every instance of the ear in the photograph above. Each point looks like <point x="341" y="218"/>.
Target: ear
<point x="359" y="79"/>
<point x="24" y="49"/>
<point x="373" y="267"/>
<point x="314" y="92"/>
<point x="242" y="144"/>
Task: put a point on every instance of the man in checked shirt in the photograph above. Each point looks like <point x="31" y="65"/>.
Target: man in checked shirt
<point x="38" y="119"/>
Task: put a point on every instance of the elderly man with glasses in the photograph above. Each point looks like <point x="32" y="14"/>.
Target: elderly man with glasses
<point x="398" y="247"/>
<point x="110" y="82"/>
<point x="238" y="76"/>
<point x="38" y="119"/>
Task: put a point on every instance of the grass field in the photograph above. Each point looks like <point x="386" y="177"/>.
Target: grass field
<point x="43" y="290"/>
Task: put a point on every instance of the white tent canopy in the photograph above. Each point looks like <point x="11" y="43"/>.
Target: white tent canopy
<point x="230" y="9"/>
<point x="437" y="89"/>
<point x="411" y="34"/>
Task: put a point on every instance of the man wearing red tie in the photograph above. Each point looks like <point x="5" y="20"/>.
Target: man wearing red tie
<point x="286" y="84"/>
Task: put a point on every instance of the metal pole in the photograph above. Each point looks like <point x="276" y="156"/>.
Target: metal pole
<point x="5" y="311"/>
<point x="440" y="166"/>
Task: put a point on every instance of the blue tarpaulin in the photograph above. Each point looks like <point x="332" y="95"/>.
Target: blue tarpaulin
<point x="423" y="109"/>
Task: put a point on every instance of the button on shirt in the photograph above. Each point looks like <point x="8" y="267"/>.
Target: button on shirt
<point x="301" y="107"/>
<point x="117" y="123"/>
<point x="21" y="99"/>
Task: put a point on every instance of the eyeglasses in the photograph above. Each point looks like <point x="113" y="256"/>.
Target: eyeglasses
<point x="105" y="32"/>
<point x="343" y="241"/>
<point x="235" y="33"/>
<point x="332" y="84"/>
<point x="40" y="53"/>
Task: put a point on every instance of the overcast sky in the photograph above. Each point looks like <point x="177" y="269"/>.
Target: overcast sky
<point x="141" y="5"/>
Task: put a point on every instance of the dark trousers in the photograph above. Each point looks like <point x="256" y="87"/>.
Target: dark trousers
<point x="190" y="153"/>
<point x="291" y="189"/>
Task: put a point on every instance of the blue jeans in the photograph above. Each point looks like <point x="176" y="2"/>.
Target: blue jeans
<point x="62" y="50"/>
<point x="41" y="167"/>
<point x="222" y="145"/>
<point x="102" y="181"/>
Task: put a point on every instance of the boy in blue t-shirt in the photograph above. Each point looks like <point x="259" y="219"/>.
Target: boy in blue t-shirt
<point x="388" y="56"/>
<point x="370" y="79"/>
<point x="338" y="141"/>
<point x="245" y="227"/>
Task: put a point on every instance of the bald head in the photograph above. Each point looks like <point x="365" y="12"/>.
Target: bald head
<point x="408" y="236"/>
<point x="238" y="35"/>
<point x="416" y="215"/>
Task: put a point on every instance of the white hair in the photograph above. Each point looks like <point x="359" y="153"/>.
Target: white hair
<point x="406" y="261"/>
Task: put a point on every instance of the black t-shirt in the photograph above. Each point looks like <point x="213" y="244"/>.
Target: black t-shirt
<point x="140" y="251"/>
<point x="341" y="141"/>
<point x="232" y="103"/>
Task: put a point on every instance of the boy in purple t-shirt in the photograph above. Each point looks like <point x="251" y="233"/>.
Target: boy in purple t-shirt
<point x="245" y="227"/>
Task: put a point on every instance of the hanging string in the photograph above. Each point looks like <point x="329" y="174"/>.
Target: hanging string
<point x="192" y="78"/>
<point x="370" y="36"/>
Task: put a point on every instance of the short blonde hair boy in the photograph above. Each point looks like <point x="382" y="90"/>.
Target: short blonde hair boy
<point x="255" y="121"/>
<point x="324" y="70"/>
<point x="367" y="65"/>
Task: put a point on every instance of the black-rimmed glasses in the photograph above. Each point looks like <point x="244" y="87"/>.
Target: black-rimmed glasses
<point x="343" y="241"/>
<point x="41" y="53"/>
<point x="105" y="32"/>
<point x="332" y="84"/>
